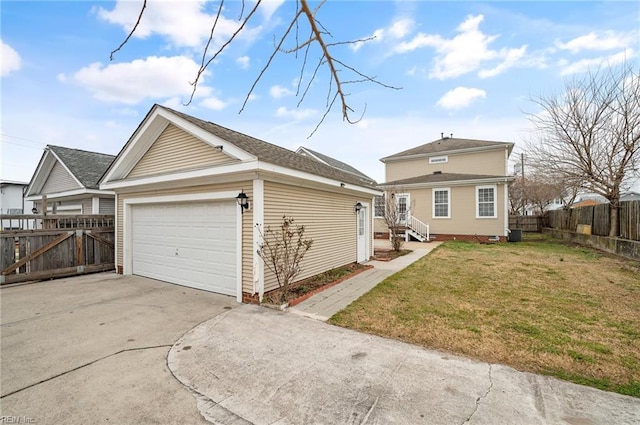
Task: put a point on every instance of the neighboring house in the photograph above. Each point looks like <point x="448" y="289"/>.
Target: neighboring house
<point x="12" y="201"/>
<point x="630" y="196"/>
<point x="554" y="204"/>
<point x="69" y="180"/>
<point x="334" y="163"/>
<point x="586" y="203"/>
<point x="178" y="181"/>
<point x="455" y="188"/>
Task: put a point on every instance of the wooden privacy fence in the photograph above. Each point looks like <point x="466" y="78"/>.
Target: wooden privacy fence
<point x="597" y="216"/>
<point x="45" y="253"/>
<point x="527" y="223"/>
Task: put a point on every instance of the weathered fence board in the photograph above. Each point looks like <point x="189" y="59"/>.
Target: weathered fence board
<point x="597" y="216"/>
<point x="56" y="250"/>
<point x="527" y="223"/>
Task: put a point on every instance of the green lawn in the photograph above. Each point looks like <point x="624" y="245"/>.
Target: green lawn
<point x="539" y="305"/>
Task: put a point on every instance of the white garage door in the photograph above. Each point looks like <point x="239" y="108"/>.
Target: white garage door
<point x="191" y="244"/>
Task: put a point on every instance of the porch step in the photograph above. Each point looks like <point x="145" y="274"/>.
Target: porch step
<point x="418" y="236"/>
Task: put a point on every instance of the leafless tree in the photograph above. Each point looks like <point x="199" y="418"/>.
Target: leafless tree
<point x="315" y="41"/>
<point x="590" y="133"/>
<point x="541" y="191"/>
<point x="395" y="217"/>
<point x="282" y="250"/>
<point x="517" y="200"/>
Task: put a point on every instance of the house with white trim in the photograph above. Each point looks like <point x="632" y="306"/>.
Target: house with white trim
<point x="191" y="197"/>
<point x="68" y="180"/>
<point x="450" y="188"/>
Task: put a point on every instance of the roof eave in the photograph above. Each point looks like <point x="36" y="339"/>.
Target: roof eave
<point x="448" y="152"/>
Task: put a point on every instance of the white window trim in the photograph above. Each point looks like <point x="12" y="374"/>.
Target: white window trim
<point x="495" y="201"/>
<point x="433" y="201"/>
<point x="443" y="159"/>
<point x="384" y="206"/>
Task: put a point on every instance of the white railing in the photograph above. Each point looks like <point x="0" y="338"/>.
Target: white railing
<point x="418" y="227"/>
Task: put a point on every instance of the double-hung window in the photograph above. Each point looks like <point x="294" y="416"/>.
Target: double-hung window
<point x="441" y="203"/>
<point x="486" y="202"/>
<point x="379" y="206"/>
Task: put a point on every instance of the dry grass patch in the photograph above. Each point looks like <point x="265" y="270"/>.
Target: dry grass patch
<point x="540" y="305"/>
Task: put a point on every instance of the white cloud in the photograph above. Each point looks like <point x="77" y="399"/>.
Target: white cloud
<point x="243" y="61"/>
<point x="214" y="103"/>
<point x="296" y="114"/>
<point x="185" y="24"/>
<point x="464" y="53"/>
<point x="592" y="41"/>
<point x="269" y="7"/>
<point x="401" y="27"/>
<point x="11" y="60"/>
<point x="583" y="65"/>
<point x="278" y="91"/>
<point x="460" y="97"/>
<point x="511" y="58"/>
<point x="132" y="82"/>
<point x="398" y="29"/>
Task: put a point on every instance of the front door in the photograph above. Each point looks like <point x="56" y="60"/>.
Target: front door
<point x="402" y="203"/>
<point x="362" y="235"/>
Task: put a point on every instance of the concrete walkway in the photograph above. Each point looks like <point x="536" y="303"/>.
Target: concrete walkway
<point x="327" y="303"/>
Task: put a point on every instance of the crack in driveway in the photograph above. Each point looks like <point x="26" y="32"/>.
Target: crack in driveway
<point x="83" y="366"/>
<point x="479" y="399"/>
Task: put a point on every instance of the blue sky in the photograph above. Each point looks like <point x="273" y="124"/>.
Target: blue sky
<point x="467" y="68"/>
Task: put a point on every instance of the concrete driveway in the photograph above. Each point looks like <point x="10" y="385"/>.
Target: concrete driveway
<point x="254" y="366"/>
<point x="93" y="349"/>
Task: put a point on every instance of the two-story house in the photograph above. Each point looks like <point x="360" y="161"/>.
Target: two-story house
<point x="450" y="188"/>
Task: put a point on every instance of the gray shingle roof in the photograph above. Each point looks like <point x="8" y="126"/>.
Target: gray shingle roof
<point x="274" y="154"/>
<point x="86" y="166"/>
<point x="440" y="178"/>
<point x="447" y="144"/>
<point x="337" y="164"/>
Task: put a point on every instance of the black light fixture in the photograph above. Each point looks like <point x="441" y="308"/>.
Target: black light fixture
<point x="358" y="207"/>
<point x="34" y="210"/>
<point x="243" y="201"/>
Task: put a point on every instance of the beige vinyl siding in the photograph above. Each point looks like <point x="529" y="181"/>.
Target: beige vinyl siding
<point x="379" y="225"/>
<point x="491" y="163"/>
<point x="329" y="219"/>
<point x="59" y="180"/>
<point x="247" y="222"/>
<point x="176" y="150"/>
<point x="463" y="219"/>
<point x="106" y="206"/>
<point x="87" y="205"/>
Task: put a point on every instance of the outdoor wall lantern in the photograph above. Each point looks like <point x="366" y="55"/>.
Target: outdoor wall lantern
<point x="34" y="210"/>
<point x="243" y="201"/>
<point x="358" y="207"/>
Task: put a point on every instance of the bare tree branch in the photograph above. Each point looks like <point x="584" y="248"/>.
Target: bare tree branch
<point x="203" y="65"/>
<point x="317" y="37"/>
<point x="135" y="27"/>
<point x="590" y="134"/>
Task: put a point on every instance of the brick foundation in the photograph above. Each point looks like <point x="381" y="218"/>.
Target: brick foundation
<point x="469" y="238"/>
<point x="119" y="269"/>
<point x="248" y="298"/>
<point x="449" y="237"/>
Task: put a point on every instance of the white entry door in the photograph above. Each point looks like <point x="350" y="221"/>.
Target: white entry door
<point x="402" y="203"/>
<point x="362" y="235"/>
<point x="192" y="244"/>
